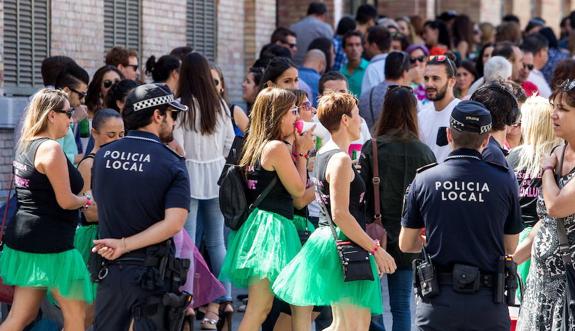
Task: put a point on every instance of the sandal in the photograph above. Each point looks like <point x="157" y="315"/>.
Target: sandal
<point x="210" y="323"/>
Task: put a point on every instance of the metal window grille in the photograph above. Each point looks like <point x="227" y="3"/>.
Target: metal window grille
<point x="26" y="44"/>
<point x="201" y="27"/>
<point x="122" y="24"/>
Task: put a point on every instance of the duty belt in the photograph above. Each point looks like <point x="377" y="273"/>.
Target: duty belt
<point x="485" y="280"/>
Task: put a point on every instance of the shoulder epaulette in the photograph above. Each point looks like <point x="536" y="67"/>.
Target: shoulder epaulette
<point x="497" y="165"/>
<point x="429" y="166"/>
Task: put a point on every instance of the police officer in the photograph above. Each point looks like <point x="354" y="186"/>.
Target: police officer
<point x="470" y="211"/>
<point x="142" y="192"/>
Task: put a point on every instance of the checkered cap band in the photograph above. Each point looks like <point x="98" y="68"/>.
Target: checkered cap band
<point x="144" y="104"/>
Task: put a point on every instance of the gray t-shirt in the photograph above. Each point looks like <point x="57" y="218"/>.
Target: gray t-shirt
<point x="307" y="30"/>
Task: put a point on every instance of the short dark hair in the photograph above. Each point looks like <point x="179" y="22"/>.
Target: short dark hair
<point x="500" y="102"/>
<point x="162" y="68"/>
<point x="71" y="76"/>
<point x="102" y="116"/>
<point x="181" y="52"/>
<point x="280" y="34"/>
<point x="365" y="13"/>
<point x="443" y="32"/>
<point x="316" y="8"/>
<point x="276" y="67"/>
<point x="445" y="61"/>
<point x="511" y="18"/>
<point x="345" y="25"/>
<point x="139" y="119"/>
<point x="505" y="49"/>
<point x="380" y="36"/>
<point x="396" y="64"/>
<point x="270" y="51"/>
<point x="470" y="140"/>
<point x="118" y="92"/>
<point x="350" y="34"/>
<point x="330" y="75"/>
<point x="119" y="55"/>
<point x="534" y="43"/>
<point x="51" y="67"/>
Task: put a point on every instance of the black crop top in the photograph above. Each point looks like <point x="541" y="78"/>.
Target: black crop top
<point x="278" y="201"/>
<point x="356" y="189"/>
<point x="83" y="220"/>
<point x="40" y="224"/>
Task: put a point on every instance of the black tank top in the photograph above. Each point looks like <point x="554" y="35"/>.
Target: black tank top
<point x="278" y="201"/>
<point x="40" y="224"/>
<point x="83" y="220"/>
<point x="356" y="189"/>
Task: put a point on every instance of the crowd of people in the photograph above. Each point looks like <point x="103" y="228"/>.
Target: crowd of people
<point x="456" y="137"/>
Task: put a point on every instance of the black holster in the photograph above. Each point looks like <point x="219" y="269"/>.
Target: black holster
<point x="163" y="270"/>
<point x="425" y="277"/>
<point x="506" y="284"/>
<point x="166" y="313"/>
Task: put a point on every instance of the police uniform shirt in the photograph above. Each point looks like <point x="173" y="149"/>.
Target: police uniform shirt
<point x="466" y="205"/>
<point x="493" y="152"/>
<point x="134" y="180"/>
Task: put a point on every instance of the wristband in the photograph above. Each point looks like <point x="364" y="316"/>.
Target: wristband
<point x="298" y="155"/>
<point x="124" y="244"/>
<point x="548" y="168"/>
<point x="88" y="202"/>
<point x="376" y="247"/>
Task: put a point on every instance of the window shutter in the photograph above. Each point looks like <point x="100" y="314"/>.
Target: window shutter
<point x="201" y="27"/>
<point x="122" y="24"/>
<point x="26" y="44"/>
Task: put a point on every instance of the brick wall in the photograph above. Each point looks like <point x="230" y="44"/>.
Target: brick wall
<point x="1" y="47"/>
<point x="489" y="11"/>
<point x="231" y="46"/>
<point x="259" y="23"/>
<point x="163" y="27"/>
<point x="397" y="8"/>
<point x="77" y="31"/>
<point x="291" y="11"/>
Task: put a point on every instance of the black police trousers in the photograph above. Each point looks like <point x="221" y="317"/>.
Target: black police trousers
<point x="452" y="311"/>
<point x="118" y="295"/>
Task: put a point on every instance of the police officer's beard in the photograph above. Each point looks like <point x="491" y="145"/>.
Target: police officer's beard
<point x="439" y="94"/>
<point x="166" y="132"/>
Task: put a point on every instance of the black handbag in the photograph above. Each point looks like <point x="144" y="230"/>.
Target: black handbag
<point x="569" y="298"/>
<point x="354" y="259"/>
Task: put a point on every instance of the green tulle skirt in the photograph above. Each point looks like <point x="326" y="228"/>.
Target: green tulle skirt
<point x="315" y="278"/>
<point x="302" y="223"/>
<point x="84" y="239"/>
<point x="65" y="272"/>
<point x="523" y="268"/>
<point x="260" y="249"/>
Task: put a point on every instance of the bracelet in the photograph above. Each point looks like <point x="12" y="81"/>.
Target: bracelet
<point x="376" y="247"/>
<point x="298" y="155"/>
<point x="88" y="202"/>
<point x="548" y="168"/>
<point x="124" y="244"/>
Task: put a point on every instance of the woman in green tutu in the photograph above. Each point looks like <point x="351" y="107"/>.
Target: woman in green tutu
<point x="107" y="126"/>
<point x="315" y="275"/>
<point x="268" y="239"/>
<point x="39" y="254"/>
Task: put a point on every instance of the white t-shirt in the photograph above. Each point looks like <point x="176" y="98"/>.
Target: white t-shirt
<point x="430" y="121"/>
<point x="536" y="77"/>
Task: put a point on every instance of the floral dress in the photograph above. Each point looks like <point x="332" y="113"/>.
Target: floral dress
<point x="542" y="307"/>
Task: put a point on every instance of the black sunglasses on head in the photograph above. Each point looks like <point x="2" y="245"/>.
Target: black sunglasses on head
<point x="82" y="95"/>
<point x="420" y="59"/>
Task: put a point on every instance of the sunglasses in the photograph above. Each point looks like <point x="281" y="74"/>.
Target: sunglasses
<point x="135" y="66"/>
<point x="82" y="95"/>
<point x="108" y="83"/>
<point x="216" y="82"/>
<point x="292" y="46"/>
<point x="69" y="112"/>
<point x="420" y="59"/>
<point x="306" y="105"/>
<point x="528" y="66"/>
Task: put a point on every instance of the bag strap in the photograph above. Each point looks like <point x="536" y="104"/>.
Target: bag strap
<point x="562" y="233"/>
<point x="264" y="194"/>
<point x="5" y="216"/>
<point x="376" y="181"/>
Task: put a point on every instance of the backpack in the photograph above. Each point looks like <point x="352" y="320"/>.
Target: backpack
<point x="233" y="200"/>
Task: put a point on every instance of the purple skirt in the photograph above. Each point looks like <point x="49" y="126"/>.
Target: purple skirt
<point x="201" y="282"/>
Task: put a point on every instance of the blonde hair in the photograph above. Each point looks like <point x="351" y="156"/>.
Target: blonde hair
<point x="538" y="135"/>
<point x="265" y="122"/>
<point x="36" y="120"/>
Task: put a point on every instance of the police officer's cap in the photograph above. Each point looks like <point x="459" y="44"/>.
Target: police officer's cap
<point x="151" y="96"/>
<point x="470" y="116"/>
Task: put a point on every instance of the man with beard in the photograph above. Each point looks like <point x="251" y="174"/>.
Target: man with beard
<point x="143" y="195"/>
<point x="439" y="82"/>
